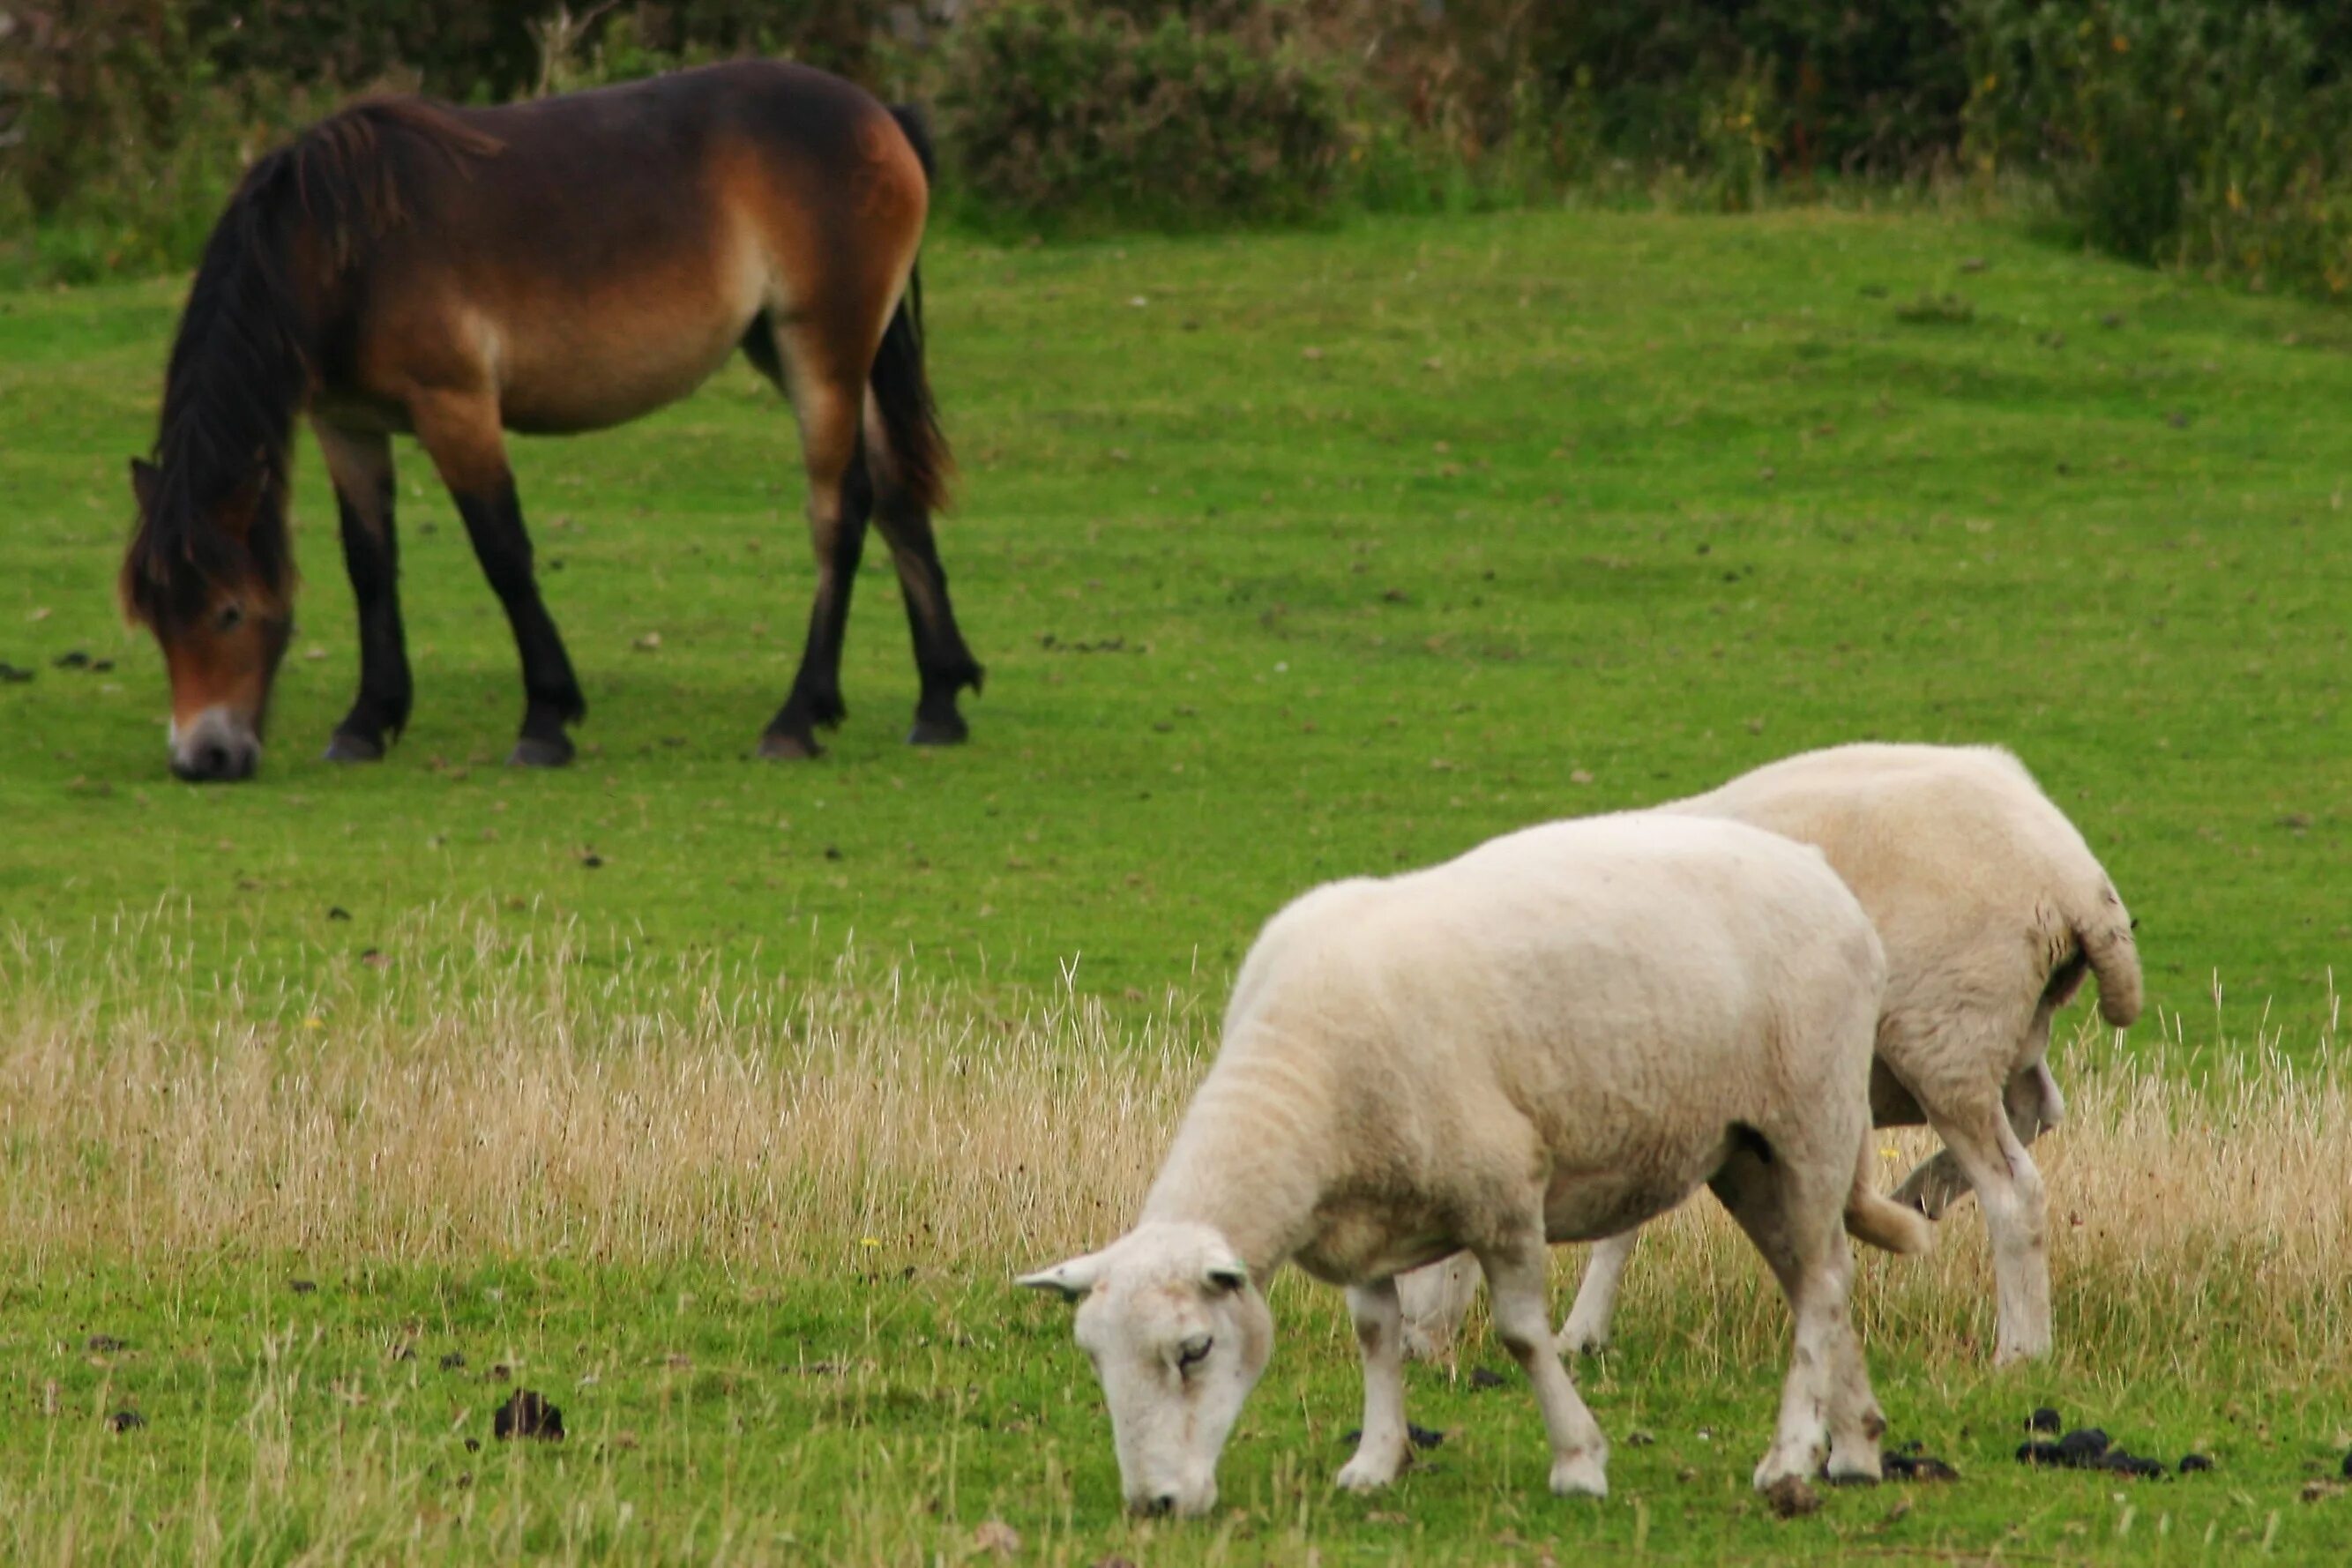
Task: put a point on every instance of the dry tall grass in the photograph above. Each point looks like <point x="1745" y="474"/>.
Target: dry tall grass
<point x="547" y="1095"/>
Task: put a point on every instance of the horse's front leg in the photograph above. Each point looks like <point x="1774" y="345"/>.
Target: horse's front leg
<point x="360" y="463"/>
<point x="463" y="436"/>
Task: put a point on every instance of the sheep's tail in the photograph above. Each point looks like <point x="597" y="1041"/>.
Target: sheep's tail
<point x="1881" y="1222"/>
<point x="2105" y="932"/>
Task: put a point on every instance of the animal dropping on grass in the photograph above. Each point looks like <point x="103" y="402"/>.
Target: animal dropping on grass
<point x="528" y="1414"/>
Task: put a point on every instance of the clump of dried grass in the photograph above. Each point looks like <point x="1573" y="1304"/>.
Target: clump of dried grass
<point x="544" y="1095"/>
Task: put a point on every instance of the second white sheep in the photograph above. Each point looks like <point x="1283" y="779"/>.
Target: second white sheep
<point x="1992" y="909"/>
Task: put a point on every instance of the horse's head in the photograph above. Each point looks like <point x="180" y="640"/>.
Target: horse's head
<point x="212" y="580"/>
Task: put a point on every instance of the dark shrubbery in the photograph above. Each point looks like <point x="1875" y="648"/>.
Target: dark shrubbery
<point x="125" y="124"/>
<point x="1874" y="88"/>
<point x="123" y="141"/>
<point x="2193" y="132"/>
<point x="2186" y="131"/>
<point x="1057" y="107"/>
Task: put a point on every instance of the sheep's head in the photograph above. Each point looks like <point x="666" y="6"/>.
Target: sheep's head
<point x="1179" y="1335"/>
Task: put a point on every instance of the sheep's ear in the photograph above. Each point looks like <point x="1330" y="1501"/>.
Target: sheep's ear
<point x="1225" y="1273"/>
<point x="1073" y="1279"/>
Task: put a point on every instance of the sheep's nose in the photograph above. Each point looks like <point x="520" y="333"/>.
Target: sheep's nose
<point x="1158" y="1507"/>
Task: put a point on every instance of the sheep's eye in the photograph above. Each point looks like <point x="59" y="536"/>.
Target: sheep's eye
<point x="1194" y="1352"/>
<point x="228" y="618"/>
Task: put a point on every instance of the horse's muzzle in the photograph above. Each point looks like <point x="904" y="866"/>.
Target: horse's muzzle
<point x="216" y="747"/>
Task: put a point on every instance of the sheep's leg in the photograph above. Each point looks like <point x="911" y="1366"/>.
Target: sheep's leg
<point x="1795" y="1219"/>
<point x="2033" y="1102"/>
<point x="1379" y="1333"/>
<point x="1934" y="1185"/>
<point x="1587" y="1328"/>
<point x="1436" y="1297"/>
<point x="2034" y="1105"/>
<point x="2009" y="1187"/>
<point x="1514" y="1282"/>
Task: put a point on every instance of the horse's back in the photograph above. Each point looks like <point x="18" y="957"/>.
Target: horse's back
<point x="788" y="108"/>
<point x="674" y="153"/>
<point x="613" y="246"/>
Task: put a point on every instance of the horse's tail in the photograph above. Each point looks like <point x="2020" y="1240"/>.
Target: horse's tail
<point x="918" y="127"/>
<point x="917" y="448"/>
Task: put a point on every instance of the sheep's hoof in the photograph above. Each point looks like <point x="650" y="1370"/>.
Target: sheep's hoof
<point x="1427" y="1344"/>
<point x="1581" y="1475"/>
<point x="1365" y="1473"/>
<point x="1582" y="1339"/>
<point x="1791" y="1461"/>
<point x="1857" y="1466"/>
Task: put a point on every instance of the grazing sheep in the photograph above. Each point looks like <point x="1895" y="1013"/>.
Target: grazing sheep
<point x="1991" y="907"/>
<point x="1555" y="1037"/>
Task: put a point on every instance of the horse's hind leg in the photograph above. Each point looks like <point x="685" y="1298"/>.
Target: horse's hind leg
<point x="463" y="436"/>
<point x="361" y="466"/>
<point x="943" y="662"/>
<point x="826" y="399"/>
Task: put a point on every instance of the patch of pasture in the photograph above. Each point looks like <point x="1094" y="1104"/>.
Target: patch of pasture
<point x="1290" y="556"/>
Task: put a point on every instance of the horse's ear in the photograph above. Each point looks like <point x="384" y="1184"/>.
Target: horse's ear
<point x="143" y="480"/>
<point x="241" y="506"/>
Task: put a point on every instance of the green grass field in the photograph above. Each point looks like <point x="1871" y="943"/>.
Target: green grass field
<point x="1290" y="557"/>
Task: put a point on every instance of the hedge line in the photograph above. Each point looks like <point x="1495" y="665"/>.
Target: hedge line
<point x="2194" y="133"/>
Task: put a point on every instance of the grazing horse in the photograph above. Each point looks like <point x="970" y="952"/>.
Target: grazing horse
<point x="550" y="267"/>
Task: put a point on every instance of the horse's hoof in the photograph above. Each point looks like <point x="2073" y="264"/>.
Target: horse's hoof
<point x="951" y="730"/>
<point x="530" y="752"/>
<point x="778" y="745"/>
<point x="345" y="747"/>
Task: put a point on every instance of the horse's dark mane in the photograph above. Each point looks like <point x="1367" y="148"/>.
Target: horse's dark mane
<point x="242" y="362"/>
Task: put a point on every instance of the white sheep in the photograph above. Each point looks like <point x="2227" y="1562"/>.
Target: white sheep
<point x="1555" y="1037"/>
<point x="1990" y="907"/>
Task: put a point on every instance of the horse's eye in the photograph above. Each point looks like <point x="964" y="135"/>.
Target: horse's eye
<point x="1194" y="1352"/>
<point x="229" y="618"/>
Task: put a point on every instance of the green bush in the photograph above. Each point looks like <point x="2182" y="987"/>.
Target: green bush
<point x="126" y="143"/>
<point x="129" y="122"/>
<point x="1057" y="110"/>
<point x="2184" y="131"/>
<point x="488" y="50"/>
<point x="1850" y="89"/>
<point x="2188" y="133"/>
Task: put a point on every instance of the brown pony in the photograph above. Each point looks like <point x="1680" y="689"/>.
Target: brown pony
<point x="552" y="267"/>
